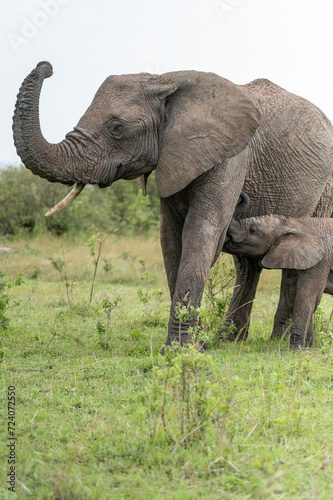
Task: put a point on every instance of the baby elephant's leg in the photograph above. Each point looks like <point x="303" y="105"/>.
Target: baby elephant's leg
<point x="286" y="301"/>
<point x="310" y="287"/>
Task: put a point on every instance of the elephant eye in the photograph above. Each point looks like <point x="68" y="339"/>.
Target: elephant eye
<point x="253" y="229"/>
<point x="115" y="128"/>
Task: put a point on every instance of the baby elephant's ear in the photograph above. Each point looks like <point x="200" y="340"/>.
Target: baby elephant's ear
<point x="299" y="247"/>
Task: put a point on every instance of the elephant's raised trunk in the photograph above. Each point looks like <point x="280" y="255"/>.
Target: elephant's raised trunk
<point x="73" y="160"/>
<point x="42" y="158"/>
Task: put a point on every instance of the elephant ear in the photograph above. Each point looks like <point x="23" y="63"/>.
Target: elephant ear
<point x="209" y="119"/>
<point x="298" y="247"/>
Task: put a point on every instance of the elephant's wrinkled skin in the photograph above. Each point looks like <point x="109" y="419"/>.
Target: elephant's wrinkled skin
<point x="205" y="137"/>
<point x="304" y="245"/>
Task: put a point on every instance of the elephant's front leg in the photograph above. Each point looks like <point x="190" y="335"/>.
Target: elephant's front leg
<point x="197" y="220"/>
<point x="286" y="302"/>
<point x="238" y="317"/>
<point x="310" y="287"/>
<point x="173" y="215"/>
<point x="200" y="246"/>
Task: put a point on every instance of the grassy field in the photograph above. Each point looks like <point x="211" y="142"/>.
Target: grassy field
<point x="100" y="414"/>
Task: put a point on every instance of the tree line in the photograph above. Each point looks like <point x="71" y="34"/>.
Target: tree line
<point x="24" y="199"/>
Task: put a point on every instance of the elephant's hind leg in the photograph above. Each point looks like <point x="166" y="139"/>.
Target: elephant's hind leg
<point x="310" y="287"/>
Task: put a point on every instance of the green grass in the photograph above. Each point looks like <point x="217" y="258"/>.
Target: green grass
<point x="96" y="423"/>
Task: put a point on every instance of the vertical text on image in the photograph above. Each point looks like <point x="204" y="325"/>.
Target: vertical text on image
<point x="11" y="439"/>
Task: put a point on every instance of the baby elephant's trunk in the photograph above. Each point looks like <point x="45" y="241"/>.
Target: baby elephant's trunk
<point x="242" y="205"/>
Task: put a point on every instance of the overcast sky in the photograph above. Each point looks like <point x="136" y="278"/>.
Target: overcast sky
<point x="288" y="41"/>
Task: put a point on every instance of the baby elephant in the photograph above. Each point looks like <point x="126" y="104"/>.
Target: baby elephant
<point x="304" y="245"/>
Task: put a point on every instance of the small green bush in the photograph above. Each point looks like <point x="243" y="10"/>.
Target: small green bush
<point x="24" y="199"/>
<point x="183" y="400"/>
<point x="5" y="297"/>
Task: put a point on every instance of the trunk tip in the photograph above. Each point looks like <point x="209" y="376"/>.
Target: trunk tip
<point x="45" y="68"/>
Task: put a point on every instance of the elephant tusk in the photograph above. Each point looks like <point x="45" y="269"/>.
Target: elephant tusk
<point x="143" y="182"/>
<point x="67" y="200"/>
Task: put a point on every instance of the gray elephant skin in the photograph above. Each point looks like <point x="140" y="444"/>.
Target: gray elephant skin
<point x="206" y="138"/>
<point x="304" y="245"/>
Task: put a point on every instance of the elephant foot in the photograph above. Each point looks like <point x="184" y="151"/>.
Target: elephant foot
<point x="279" y="334"/>
<point x="281" y="328"/>
<point x="276" y="336"/>
<point x="231" y="334"/>
<point x="296" y="346"/>
<point x="201" y="346"/>
<point x="296" y="341"/>
<point x="173" y="343"/>
<point x="309" y="342"/>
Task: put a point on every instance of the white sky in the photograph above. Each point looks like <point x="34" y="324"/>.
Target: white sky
<point x="288" y="41"/>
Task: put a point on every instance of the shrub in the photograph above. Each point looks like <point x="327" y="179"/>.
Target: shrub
<point x="183" y="401"/>
<point x="24" y="199"/>
<point x="5" y="297"/>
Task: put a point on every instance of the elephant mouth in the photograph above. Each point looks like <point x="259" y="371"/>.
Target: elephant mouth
<point x="118" y="172"/>
<point x="78" y="187"/>
<point x="74" y="193"/>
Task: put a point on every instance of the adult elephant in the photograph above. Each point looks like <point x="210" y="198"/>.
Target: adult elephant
<point x="206" y="138"/>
